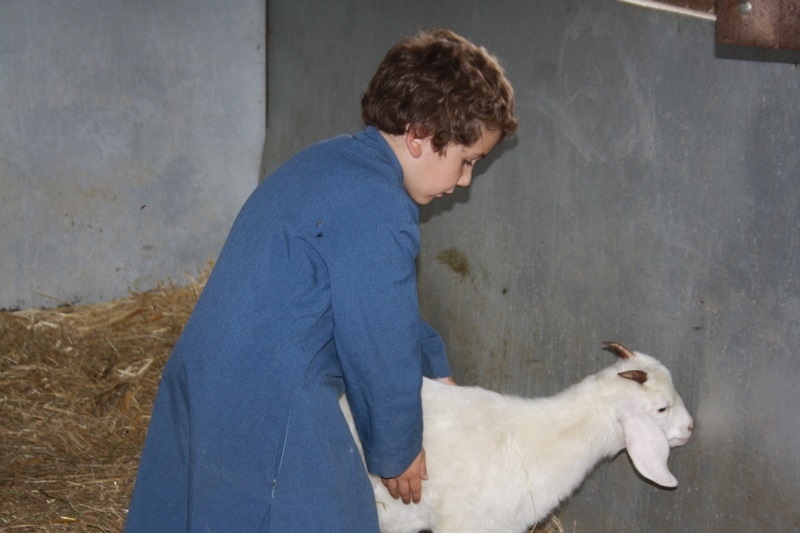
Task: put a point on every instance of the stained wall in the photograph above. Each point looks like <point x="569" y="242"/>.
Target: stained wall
<point x="130" y="134"/>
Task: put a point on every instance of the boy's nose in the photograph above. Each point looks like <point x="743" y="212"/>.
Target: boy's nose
<point x="465" y="180"/>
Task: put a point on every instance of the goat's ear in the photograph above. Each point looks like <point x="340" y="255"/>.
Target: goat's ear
<point x="647" y="446"/>
<point x="639" y="376"/>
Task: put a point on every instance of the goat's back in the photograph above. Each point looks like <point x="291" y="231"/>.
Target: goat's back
<point x="474" y="464"/>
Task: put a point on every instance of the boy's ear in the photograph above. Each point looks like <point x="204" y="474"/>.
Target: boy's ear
<point x="414" y="144"/>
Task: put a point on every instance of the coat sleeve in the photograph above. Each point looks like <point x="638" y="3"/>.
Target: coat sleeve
<point x="379" y="342"/>
<point x="434" y="355"/>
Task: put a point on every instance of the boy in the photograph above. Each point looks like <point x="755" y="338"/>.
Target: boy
<point x="314" y="295"/>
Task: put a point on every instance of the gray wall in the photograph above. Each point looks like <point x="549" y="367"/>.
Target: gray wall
<point x="651" y="197"/>
<point x="130" y="134"/>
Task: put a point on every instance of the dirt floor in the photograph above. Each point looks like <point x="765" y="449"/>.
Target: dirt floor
<point x="76" y="388"/>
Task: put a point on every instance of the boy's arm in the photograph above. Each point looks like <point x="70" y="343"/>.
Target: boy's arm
<point x="408" y="485"/>
<point x="434" y="355"/>
<point x="377" y="331"/>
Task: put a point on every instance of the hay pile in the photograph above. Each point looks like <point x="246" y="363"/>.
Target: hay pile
<point x="76" y="388"/>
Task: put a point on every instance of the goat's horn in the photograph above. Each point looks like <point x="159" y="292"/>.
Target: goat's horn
<point x="619" y="349"/>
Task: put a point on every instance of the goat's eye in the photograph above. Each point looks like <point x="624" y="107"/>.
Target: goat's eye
<point x="663" y="410"/>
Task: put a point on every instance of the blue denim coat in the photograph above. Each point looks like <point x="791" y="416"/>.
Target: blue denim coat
<point x="314" y="294"/>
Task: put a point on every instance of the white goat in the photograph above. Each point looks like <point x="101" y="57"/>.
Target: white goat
<point x="498" y="463"/>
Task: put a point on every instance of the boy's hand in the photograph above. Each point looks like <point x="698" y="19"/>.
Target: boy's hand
<point x="408" y="485"/>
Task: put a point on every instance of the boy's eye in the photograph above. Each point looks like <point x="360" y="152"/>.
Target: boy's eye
<point x="468" y="163"/>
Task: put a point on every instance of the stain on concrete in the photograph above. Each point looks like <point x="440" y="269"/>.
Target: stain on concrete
<point x="456" y="260"/>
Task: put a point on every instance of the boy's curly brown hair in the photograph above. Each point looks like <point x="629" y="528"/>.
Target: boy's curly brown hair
<point x="442" y="86"/>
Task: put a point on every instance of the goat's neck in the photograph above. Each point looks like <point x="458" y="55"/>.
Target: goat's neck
<point x="572" y="432"/>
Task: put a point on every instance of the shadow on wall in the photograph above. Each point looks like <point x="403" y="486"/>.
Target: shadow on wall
<point x="764" y="55"/>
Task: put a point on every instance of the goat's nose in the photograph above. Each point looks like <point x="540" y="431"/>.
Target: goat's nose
<point x="691" y="426"/>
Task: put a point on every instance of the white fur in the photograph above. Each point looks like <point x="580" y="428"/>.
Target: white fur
<point x="502" y="463"/>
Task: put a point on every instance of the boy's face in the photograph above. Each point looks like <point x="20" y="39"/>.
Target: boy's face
<point x="432" y="174"/>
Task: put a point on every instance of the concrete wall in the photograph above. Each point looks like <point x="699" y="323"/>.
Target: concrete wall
<point x="130" y="134"/>
<point x="652" y="197"/>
